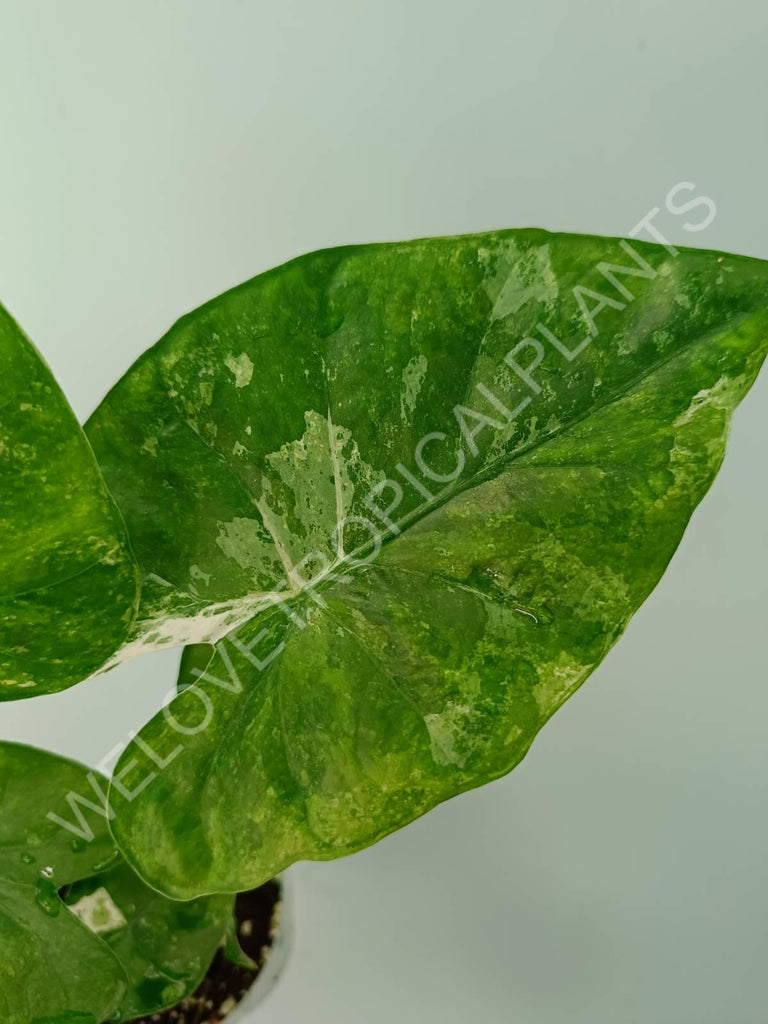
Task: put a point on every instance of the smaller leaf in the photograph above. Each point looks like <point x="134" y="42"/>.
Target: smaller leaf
<point x="113" y="946"/>
<point x="164" y="946"/>
<point x="52" y="969"/>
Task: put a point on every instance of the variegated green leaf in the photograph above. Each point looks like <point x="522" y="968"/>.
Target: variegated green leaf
<point x="69" y="583"/>
<point x="528" y="419"/>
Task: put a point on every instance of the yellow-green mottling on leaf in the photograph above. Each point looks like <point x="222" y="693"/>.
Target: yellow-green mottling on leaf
<point x="530" y="420"/>
<point x="69" y="586"/>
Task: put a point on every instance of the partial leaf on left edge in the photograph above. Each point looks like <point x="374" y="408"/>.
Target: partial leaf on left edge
<point x="68" y="581"/>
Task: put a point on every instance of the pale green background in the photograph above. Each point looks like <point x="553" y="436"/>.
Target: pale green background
<point x="155" y="153"/>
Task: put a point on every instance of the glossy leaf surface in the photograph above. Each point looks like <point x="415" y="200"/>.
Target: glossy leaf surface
<point x="122" y="949"/>
<point x="164" y="946"/>
<point x="51" y="965"/>
<point x="69" y="583"/>
<point x="528" y="419"/>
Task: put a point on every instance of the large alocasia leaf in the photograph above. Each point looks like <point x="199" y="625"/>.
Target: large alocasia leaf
<point x="69" y="583"/>
<point x="529" y="419"/>
<point x="131" y="952"/>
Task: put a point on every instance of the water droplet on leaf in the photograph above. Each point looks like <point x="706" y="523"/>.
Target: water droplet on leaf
<point x="47" y="897"/>
<point x="108" y="862"/>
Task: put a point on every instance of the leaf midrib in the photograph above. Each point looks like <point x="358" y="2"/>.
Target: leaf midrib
<point x="454" y="489"/>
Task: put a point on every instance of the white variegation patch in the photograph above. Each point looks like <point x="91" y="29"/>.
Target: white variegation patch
<point x="99" y="912"/>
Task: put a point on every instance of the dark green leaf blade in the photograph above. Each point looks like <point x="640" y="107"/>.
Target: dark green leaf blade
<point x="50" y="964"/>
<point x="114" y="946"/>
<point x="238" y="443"/>
<point x="70" y="584"/>
<point x="164" y="946"/>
